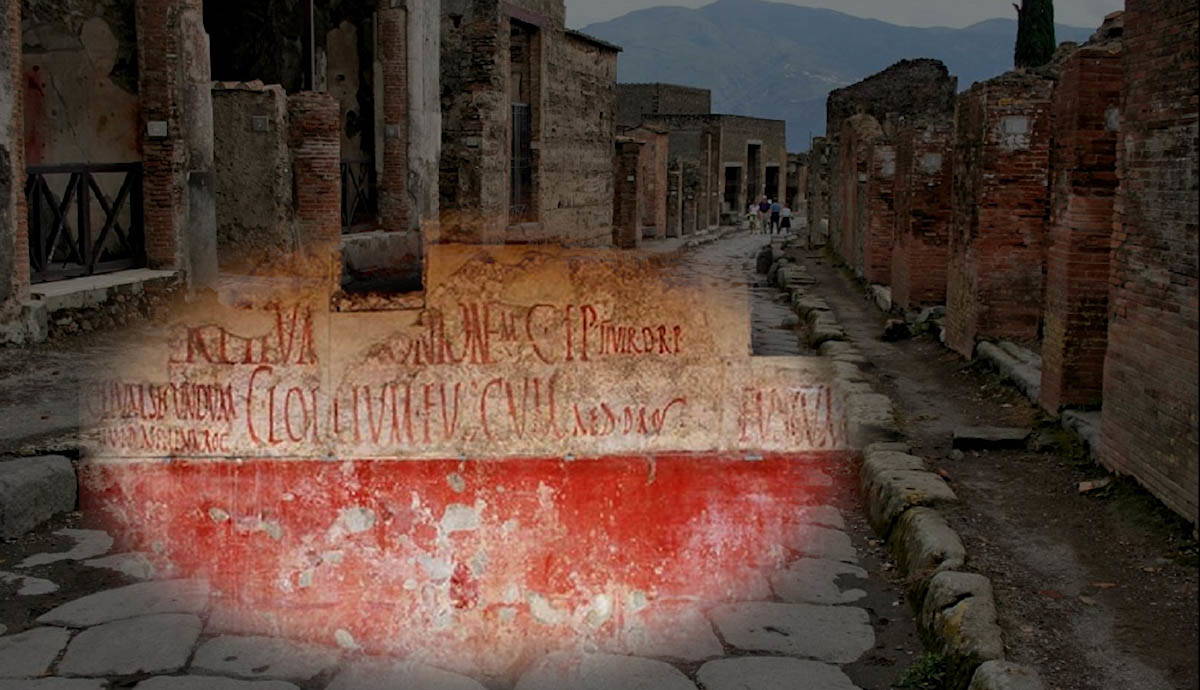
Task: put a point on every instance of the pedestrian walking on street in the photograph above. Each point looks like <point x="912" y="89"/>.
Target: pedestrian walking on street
<point x="785" y="220"/>
<point x="764" y="212"/>
<point x="776" y="210"/>
<point x="752" y="218"/>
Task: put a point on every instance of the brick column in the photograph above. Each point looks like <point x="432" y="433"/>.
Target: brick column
<point x="392" y="42"/>
<point x="1001" y="206"/>
<point x="315" y="142"/>
<point x="14" y="238"/>
<point x="1151" y="406"/>
<point x="879" y="224"/>
<point x="627" y="207"/>
<point x="849" y="215"/>
<point x="1084" y="161"/>
<point x="923" y="189"/>
<point x="675" y="201"/>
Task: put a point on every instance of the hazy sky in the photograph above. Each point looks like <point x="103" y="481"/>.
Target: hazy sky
<point x="1085" y="13"/>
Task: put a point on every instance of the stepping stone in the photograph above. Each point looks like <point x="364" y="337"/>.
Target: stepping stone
<point x="836" y="634"/>
<point x="54" y="684"/>
<point x="824" y="516"/>
<point x="30" y="653"/>
<point x="380" y="675"/>
<point x="772" y="673"/>
<point x="990" y="438"/>
<point x="210" y="683"/>
<point x="559" y="671"/>
<point x="821" y="542"/>
<point x="815" y="581"/>
<point x="28" y="586"/>
<point x="141" y="599"/>
<point x="136" y="565"/>
<point x="89" y="543"/>
<point x="150" y="644"/>
<point x="263" y="657"/>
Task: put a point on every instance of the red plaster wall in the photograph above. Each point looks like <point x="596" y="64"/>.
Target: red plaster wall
<point x="1150" y="417"/>
<point x="924" y="185"/>
<point x="1084" y="166"/>
<point x="1001" y="206"/>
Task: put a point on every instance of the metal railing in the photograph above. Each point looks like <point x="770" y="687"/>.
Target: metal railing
<point x="359" y="198"/>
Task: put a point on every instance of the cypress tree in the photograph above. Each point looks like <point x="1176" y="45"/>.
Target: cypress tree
<point x="1035" y="33"/>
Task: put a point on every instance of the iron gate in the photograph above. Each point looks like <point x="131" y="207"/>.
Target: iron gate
<point x="359" y="201"/>
<point x="67" y="202"/>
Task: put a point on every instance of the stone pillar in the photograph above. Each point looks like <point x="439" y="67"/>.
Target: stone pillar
<point x="174" y="84"/>
<point x="879" y="225"/>
<point x="924" y="185"/>
<point x="627" y="208"/>
<point x="392" y="42"/>
<point x="315" y="142"/>
<point x="1149" y="423"/>
<point x="14" y="238"/>
<point x="691" y="185"/>
<point x="1084" y="161"/>
<point x="675" y="201"/>
<point x="849" y="188"/>
<point x="1001" y="204"/>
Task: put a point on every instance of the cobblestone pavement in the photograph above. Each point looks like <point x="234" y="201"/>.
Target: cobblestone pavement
<point x="77" y="616"/>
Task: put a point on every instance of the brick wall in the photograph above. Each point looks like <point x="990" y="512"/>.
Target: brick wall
<point x="1001" y="206"/>
<point x="315" y="142"/>
<point x="627" y="208"/>
<point x="392" y="32"/>
<point x="652" y="178"/>
<point x="819" y="178"/>
<point x="1084" y="165"/>
<point x="675" y="200"/>
<point x="923" y="190"/>
<point x="637" y="102"/>
<point x="1150" y="416"/>
<point x="879" y="224"/>
<point x="849" y="188"/>
<point x="14" y="240"/>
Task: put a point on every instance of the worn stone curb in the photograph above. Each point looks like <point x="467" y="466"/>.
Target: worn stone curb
<point x="33" y="490"/>
<point x="956" y="611"/>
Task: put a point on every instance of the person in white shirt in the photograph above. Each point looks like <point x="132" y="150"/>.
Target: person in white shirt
<point x="785" y="220"/>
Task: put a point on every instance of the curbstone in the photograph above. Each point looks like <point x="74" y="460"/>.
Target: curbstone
<point x="1023" y="374"/>
<point x="1004" y="675"/>
<point x="870" y="418"/>
<point x="958" y="619"/>
<point x="889" y="493"/>
<point x="33" y="490"/>
<point x="924" y="544"/>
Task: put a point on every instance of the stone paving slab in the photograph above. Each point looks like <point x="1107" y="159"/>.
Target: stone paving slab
<point x="772" y="673"/>
<point x="673" y="632"/>
<point x="602" y="672"/>
<point x="32" y="490"/>
<point x="150" y="644"/>
<point x="823" y="516"/>
<point x="379" y="675"/>
<point x="263" y="657"/>
<point x="141" y="599"/>
<point x="89" y="543"/>
<point x="54" y="684"/>
<point x="821" y="542"/>
<point x="815" y="581"/>
<point x="30" y="654"/>
<point x="135" y="564"/>
<point x="836" y="634"/>
<point x="212" y="683"/>
<point x="28" y="586"/>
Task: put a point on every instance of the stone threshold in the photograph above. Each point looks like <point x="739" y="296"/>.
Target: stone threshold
<point x="92" y="291"/>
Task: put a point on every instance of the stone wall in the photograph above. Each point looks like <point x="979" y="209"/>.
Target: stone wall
<point x="878" y="228"/>
<point x="1001" y="205"/>
<point x="924" y="184"/>
<point x="652" y="178"/>
<point x="627" y="197"/>
<point x="1149" y="426"/>
<point x="637" y="103"/>
<point x="255" y="234"/>
<point x="14" y="249"/>
<point x="850" y="200"/>
<point x="819" y="180"/>
<point x="1084" y="164"/>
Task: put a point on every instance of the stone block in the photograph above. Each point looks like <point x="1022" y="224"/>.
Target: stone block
<point x="889" y="493"/>
<point x="772" y="673"/>
<point x="30" y="654"/>
<point x="601" y="672"/>
<point x="958" y="619"/>
<point x="1005" y="675"/>
<point x="924" y="544"/>
<point x="32" y="490"/>
<point x="870" y="418"/>
<point x="834" y="634"/>
<point x="149" y="644"/>
<point x="990" y="438"/>
<point x="816" y="581"/>
<point x="142" y="599"/>
<point x="263" y="657"/>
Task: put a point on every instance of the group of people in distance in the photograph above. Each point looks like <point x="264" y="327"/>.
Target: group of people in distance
<point x="770" y="217"/>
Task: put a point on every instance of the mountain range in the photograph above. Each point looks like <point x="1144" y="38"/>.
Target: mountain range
<point x="780" y="61"/>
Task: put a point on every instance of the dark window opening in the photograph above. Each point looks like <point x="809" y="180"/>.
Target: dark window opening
<point x="772" y="186"/>
<point x="754" y="186"/>
<point x="523" y="89"/>
<point x="733" y="177"/>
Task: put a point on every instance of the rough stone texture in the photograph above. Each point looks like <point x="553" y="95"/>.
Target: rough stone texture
<point x="1084" y="164"/>
<point x="1001" y="204"/>
<point x="314" y="138"/>
<point x="1005" y="675"/>
<point x="816" y="581"/>
<point x="29" y="654"/>
<point x="818" y="191"/>
<point x="825" y="516"/>
<point x="1024" y="374"/>
<point x="263" y="657"/>
<point x="771" y="673"/>
<point x="871" y="418"/>
<point x="28" y="586"/>
<point x="136" y="565"/>
<point x="653" y="161"/>
<point x="32" y="490"/>
<point x="668" y="631"/>
<point x="924" y="544"/>
<point x="989" y="437"/>
<point x="924" y="186"/>
<point x="637" y="102"/>
<point x="150" y="644"/>
<point x="14" y="239"/>
<point x="602" y="672"/>
<point x="851" y="189"/>
<point x="369" y="675"/>
<point x="889" y="493"/>
<point x="627" y="197"/>
<point x="836" y="634"/>
<point x="53" y="684"/>
<point x="88" y="544"/>
<point x="958" y="619"/>
<point x="1151" y="405"/>
<point x="142" y="599"/>
<point x="210" y="683"/>
<point x="821" y="542"/>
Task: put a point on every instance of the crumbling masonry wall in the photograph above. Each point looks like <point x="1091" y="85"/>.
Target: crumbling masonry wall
<point x="652" y="178"/>
<point x="627" y="208"/>
<point x="924" y="185"/>
<point x="1084" y="164"/>
<point x="1001" y="205"/>
<point x="1150" y="416"/>
<point x="637" y="103"/>
<point x="849" y="189"/>
<point x="878" y="232"/>
<point x="14" y="242"/>
<point x="817" y="192"/>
